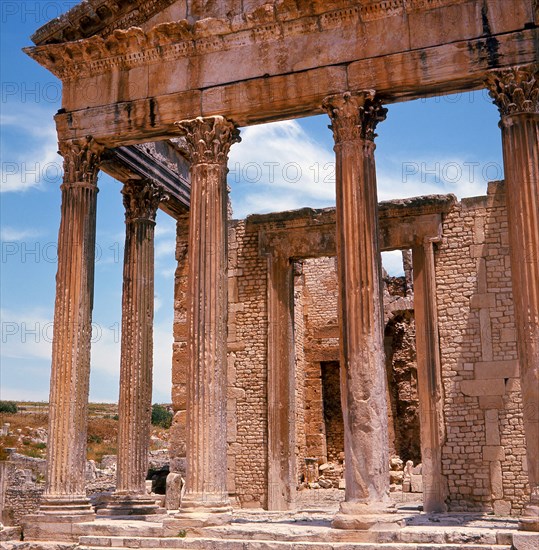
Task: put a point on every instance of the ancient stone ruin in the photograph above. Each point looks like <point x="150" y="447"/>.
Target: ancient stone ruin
<point x="268" y="310"/>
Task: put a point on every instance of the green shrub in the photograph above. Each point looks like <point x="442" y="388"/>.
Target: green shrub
<point x="8" y="407"/>
<point x="161" y="416"/>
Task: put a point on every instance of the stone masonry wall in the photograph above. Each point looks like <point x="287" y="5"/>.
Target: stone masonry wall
<point x="246" y="368"/>
<point x="321" y="345"/>
<point x="247" y="372"/>
<point x="484" y="454"/>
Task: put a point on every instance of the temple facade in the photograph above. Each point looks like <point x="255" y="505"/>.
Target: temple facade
<point x="154" y="94"/>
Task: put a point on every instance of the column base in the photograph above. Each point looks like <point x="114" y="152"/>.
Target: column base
<point x="202" y="510"/>
<point x="365" y="517"/>
<point x="195" y="518"/>
<point x="131" y="506"/>
<point x="529" y="521"/>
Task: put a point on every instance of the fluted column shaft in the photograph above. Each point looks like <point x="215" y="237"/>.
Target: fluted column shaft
<point x="141" y="199"/>
<point x="516" y="93"/>
<point x="209" y="140"/>
<point x="70" y="374"/>
<point x="363" y="380"/>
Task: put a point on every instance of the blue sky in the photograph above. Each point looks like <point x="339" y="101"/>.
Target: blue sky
<point x="447" y="144"/>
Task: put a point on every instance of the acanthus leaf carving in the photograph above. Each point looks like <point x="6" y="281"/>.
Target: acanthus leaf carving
<point x="354" y="115"/>
<point x="209" y="138"/>
<point x="141" y="200"/>
<point x="81" y="160"/>
<point x="515" y="90"/>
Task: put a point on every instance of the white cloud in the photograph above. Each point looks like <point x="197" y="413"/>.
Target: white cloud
<point x="392" y="263"/>
<point x="8" y="233"/>
<point x="29" y="148"/>
<point x="280" y="167"/>
<point x="26" y="334"/>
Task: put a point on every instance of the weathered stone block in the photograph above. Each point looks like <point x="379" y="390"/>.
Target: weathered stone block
<point x="476" y="388"/>
<point x="173" y="491"/>
<point x="479" y="301"/>
<point x="493" y="452"/>
<point x="416" y="483"/>
<point x="526" y="541"/>
<point x="496" y="369"/>
<point x="490" y="402"/>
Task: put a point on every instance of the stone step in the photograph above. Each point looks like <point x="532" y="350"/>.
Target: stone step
<point x="115" y="543"/>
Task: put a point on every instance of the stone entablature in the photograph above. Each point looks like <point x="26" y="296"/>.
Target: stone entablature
<point x="134" y="84"/>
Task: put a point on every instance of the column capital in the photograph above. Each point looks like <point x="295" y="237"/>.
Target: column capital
<point x="141" y="200"/>
<point x="354" y="115"/>
<point x="515" y="90"/>
<point x="209" y="138"/>
<point x="81" y="160"/>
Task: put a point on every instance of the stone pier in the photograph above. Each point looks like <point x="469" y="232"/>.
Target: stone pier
<point x="141" y="200"/>
<point x="206" y="499"/>
<point x="354" y="117"/>
<point x="516" y="94"/>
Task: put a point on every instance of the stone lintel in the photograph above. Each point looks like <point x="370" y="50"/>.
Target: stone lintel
<point x="309" y="232"/>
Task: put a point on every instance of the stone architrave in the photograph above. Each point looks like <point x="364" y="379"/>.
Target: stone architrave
<point x="141" y="199"/>
<point x="206" y="498"/>
<point x="65" y="492"/>
<point x="354" y="117"/>
<point x="516" y="94"/>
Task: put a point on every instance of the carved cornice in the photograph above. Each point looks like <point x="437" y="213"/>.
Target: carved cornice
<point x="209" y="139"/>
<point x="141" y="200"/>
<point x="354" y="115"/>
<point x="124" y="49"/>
<point x="515" y="90"/>
<point x="98" y="17"/>
<point x="81" y="161"/>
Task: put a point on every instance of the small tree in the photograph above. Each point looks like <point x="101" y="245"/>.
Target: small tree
<point x="161" y="416"/>
<point x="8" y="407"/>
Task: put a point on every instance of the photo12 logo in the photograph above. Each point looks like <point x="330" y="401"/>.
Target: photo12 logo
<point x="35" y="12"/>
<point x="35" y="332"/>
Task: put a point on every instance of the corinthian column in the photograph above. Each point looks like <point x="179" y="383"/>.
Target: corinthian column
<point x="65" y="492"/>
<point x="209" y="141"/>
<point x="354" y="117"/>
<point x="141" y="200"/>
<point x="516" y="94"/>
